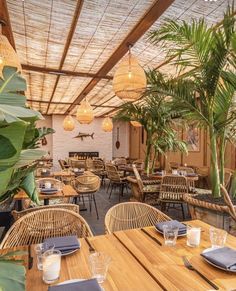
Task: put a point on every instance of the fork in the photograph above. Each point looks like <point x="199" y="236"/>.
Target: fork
<point x="189" y="266"/>
<point x="91" y="248"/>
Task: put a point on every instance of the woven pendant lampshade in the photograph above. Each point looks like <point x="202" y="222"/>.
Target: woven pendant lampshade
<point x="107" y="124"/>
<point x="68" y="123"/>
<point x="129" y="81"/>
<point x="8" y="56"/>
<point x="85" y="113"/>
<point x="135" y="123"/>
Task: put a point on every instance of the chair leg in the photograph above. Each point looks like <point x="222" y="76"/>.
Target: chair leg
<point x="90" y="202"/>
<point x="95" y="204"/>
<point x="182" y="207"/>
<point x="109" y="184"/>
<point x="112" y="186"/>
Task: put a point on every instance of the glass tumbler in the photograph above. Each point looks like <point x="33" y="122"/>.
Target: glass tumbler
<point x="99" y="263"/>
<point x="193" y="236"/>
<point x="51" y="266"/>
<point x="170" y="235"/>
<point x="40" y="249"/>
<point x="218" y="237"/>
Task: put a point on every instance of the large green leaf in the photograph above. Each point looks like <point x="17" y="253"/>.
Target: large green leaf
<point x="28" y="185"/>
<point x="12" y="99"/>
<point x="28" y="156"/>
<point x="13" y="113"/>
<point x="12" y="81"/>
<point x="7" y="149"/>
<point x="12" y="276"/>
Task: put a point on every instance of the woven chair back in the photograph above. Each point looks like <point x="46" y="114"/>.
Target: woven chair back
<point x="138" y="177"/>
<point x="173" y="188"/>
<point x="120" y="161"/>
<point x="35" y="227"/>
<point x="18" y="214"/>
<point x="131" y="215"/>
<point x="112" y="173"/>
<point x="88" y="183"/>
<point x="188" y="170"/>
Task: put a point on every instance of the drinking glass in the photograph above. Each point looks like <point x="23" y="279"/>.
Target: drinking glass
<point x="163" y="172"/>
<point x="193" y="236"/>
<point x="170" y="235"/>
<point x="217" y="237"/>
<point x="40" y="249"/>
<point x="99" y="263"/>
<point x="51" y="266"/>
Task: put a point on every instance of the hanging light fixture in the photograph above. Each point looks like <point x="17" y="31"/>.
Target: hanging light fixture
<point x="8" y="56"/>
<point x="107" y="124"/>
<point x="129" y="81"/>
<point x="68" y="123"/>
<point x="135" y="123"/>
<point x="85" y="112"/>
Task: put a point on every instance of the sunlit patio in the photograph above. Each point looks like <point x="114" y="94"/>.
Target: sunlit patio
<point x="117" y="145"/>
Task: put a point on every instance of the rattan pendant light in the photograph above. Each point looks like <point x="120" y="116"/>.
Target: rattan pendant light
<point x="8" y="56"/>
<point x="135" y="123"/>
<point x="85" y="112"/>
<point x="107" y="124"/>
<point x="129" y="81"/>
<point x="68" y="123"/>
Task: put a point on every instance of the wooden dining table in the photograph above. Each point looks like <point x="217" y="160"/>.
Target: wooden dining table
<point x="67" y="192"/>
<point x="139" y="263"/>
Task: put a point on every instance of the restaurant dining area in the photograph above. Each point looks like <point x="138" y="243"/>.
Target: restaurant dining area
<point x="117" y="145"/>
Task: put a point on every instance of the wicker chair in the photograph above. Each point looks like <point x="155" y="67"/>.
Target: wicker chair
<point x="115" y="180"/>
<point x="203" y="174"/>
<point x="63" y="164"/>
<point x="120" y="161"/>
<point x="18" y="214"/>
<point x="131" y="215"/>
<point x="99" y="169"/>
<point x="86" y="186"/>
<point x="188" y="170"/>
<point x="148" y="192"/>
<point x="172" y="191"/>
<point x="36" y="226"/>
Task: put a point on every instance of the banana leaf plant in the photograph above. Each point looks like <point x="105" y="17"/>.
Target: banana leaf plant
<point x="19" y="137"/>
<point x="204" y="58"/>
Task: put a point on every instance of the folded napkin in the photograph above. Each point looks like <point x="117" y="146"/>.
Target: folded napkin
<point x="64" y="243"/>
<point x="173" y="223"/>
<point x="191" y="175"/>
<point x="49" y="190"/>
<point x="86" y="285"/>
<point x="158" y="173"/>
<point x="223" y="257"/>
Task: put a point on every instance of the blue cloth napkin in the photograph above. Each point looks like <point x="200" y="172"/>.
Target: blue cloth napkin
<point x="173" y="223"/>
<point x="223" y="257"/>
<point x="86" y="285"/>
<point x="49" y="190"/>
<point x="191" y="175"/>
<point x="64" y="243"/>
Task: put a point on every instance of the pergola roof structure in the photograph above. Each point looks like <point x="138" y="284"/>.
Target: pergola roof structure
<point x="69" y="49"/>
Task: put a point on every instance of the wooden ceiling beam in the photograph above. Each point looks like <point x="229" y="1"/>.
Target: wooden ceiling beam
<point x="6" y="29"/>
<point x="69" y="103"/>
<point x="62" y="72"/>
<point x="74" y="22"/>
<point x="157" y="9"/>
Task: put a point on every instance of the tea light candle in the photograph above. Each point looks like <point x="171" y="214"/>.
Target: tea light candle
<point x="44" y="170"/>
<point x="193" y="236"/>
<point x="51" y="268"/>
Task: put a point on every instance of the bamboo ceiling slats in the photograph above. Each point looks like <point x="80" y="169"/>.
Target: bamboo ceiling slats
<point x="81" y="36"/>
<point x="101" y="27"/>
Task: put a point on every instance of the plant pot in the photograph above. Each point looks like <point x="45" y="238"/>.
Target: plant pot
<point x="211" y="213"/>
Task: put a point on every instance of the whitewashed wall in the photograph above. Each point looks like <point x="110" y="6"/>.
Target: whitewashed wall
<point x="47" y="122"/>
<point x="124" y="128"/>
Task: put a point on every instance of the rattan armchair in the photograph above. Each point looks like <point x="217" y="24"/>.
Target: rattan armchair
<point x="172" y="191"/>
<point x="129" y="215"/>
<point x="115" y="180"/>
<point x="36" y="226"/>
<point x="86" y="187"/>
<point x="18" y="214"/>
<point x="99" y="169"/>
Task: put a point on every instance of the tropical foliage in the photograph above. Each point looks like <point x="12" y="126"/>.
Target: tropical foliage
<point x="204" y="58"/>
<point x="156" y="116"/>
<point x="19" y="137"/>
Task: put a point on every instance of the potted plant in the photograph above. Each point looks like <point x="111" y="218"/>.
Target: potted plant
<point x="19" y="140"/>
<point x="204" y="58"/>
<point x="155" y="115"/>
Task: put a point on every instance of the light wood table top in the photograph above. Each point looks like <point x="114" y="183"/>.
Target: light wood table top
<point x="66" y="192"/>
<point x="140" y="264"/>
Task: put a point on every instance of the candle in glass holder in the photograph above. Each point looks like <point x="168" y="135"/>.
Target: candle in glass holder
<point x="193" y="236"/>
<point x="51" y="266"/>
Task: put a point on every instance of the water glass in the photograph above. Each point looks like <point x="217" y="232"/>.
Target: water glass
<point x="217" y="237"/>
<point x="163" y="172"/>
<point x="99" y="263"/>
<point x="170" y="235"/>
<point x="51" y="266"/>
<point x="40" y="249"/>
<point x="193" y="236"/>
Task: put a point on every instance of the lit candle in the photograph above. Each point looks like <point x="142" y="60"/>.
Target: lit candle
<point x="193" y="236"/>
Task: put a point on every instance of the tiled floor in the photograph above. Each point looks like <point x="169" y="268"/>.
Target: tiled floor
<point x="104" y="203"/>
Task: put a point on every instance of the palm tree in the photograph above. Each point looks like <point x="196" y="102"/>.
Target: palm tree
<point x="155" y="115"/>
<point x="203" y="90"/>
